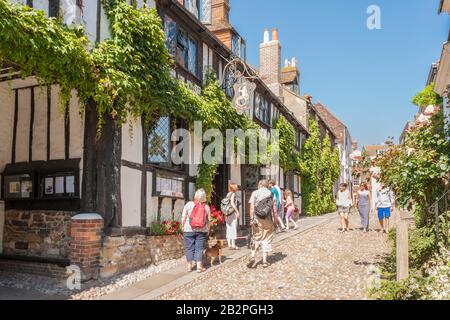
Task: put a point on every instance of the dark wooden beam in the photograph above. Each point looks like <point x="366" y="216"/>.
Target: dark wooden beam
<point x="16" y="117"/>
<point x="49" y="110"/>
<point x="67" y="133"/>
<point x="102" y="167"/>
<point x="32" y="108"/>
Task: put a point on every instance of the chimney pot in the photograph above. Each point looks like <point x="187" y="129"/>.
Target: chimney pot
<point x="275" y="36"/>
<point x="266" y="36"/>
<point x="294" y="62"/>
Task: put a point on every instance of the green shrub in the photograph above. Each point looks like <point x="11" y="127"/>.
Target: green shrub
<point x="157" y="229"/>
<point x="422" y="246"/>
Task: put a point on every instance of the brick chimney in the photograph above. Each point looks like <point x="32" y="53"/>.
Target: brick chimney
<point x="220" y="12"/>
<point x="270" y="58"/>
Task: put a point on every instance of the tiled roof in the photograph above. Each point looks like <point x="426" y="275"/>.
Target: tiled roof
<point x="371" y="151"/>
<point x="332" y="121"/>
<point x="320" y="116"/>
<point x="289" y="74"/>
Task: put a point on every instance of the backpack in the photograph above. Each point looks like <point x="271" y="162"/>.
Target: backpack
<point x="197" y="219"/>
<point x="226" y="207"/>
<point x="263" y="208"/>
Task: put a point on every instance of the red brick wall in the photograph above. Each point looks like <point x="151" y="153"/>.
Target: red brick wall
<point x="85" y="245"/>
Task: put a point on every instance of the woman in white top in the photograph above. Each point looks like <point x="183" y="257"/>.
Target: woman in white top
<point x="232" y="220"/>
<point x="344" y="202"/>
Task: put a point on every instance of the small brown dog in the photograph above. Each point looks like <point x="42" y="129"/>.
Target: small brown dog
<point x="214" y="252"/>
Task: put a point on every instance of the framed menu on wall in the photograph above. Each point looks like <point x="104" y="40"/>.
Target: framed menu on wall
<point x="19" y="186"/>
<point x="169" y="186"/>
<point x="59" y="185"/>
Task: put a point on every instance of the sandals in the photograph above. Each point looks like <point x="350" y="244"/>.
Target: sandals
<point x="266" y="265"/>
<point x="252" y="263"/>
<point x="201" y="270"/>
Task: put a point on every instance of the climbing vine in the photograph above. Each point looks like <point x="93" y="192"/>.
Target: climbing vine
<point x="310" y="168"/>
<point x="288" y="155"/>
<point x="330" y="170"/>
<point x="320" y="167"/>
<point x="126" y="76"/>
<point x="43" y="47"/>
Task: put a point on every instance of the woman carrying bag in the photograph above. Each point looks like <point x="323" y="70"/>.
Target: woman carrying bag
<point x="230" y="210"/>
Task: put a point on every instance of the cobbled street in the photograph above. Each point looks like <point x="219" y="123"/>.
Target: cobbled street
<point x="322" y="263"/>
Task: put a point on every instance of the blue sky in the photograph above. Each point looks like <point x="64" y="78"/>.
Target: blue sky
<point x="366" y="78"/>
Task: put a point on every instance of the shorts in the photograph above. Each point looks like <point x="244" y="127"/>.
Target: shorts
<point x="342" y="209"/>
<point x="384" y="213"/>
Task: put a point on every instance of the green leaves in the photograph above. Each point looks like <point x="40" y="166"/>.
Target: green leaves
<point x="289" y="157"/>
<point x="42" y="47"/>
<point x="427" y="97"/>
<point x="418" y="170"/>
<point x="320" y="167"/>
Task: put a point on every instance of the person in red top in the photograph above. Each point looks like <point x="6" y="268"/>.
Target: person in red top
<point x="195" y="236"/>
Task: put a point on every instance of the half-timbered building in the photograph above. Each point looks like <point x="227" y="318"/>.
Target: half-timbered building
<point x="53" y="166"/>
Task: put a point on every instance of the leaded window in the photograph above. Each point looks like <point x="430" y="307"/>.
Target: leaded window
<point x="298" y="139"/>
<point x="262" y="109"/>
<point x="182" y="47"/>
<point x="275" y="114"/>
<point x="192" y="6"/>
<point x="236" y="45"/>
<point x="205" y="12"/>
<point x="159" y="142"/>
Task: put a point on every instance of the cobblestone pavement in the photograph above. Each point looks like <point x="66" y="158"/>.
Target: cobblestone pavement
<point x="321" y="264"/>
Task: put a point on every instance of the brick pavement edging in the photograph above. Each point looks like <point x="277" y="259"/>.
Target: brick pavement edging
<point x="190" y="277"/>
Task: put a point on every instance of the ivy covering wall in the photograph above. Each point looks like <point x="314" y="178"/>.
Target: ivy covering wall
<point x="129" y="76"/>
<point x="320" y="167"/>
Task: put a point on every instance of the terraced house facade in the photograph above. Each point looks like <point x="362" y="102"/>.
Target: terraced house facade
<point x="53" y="166"/>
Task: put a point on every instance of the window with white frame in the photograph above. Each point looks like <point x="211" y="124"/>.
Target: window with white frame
<point x="356" y="180"/>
